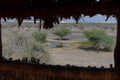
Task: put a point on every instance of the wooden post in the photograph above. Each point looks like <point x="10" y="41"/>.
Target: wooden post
<point x="117" y="47"/>
<point x="0" y="39"/>
<point x="40" y="24"/>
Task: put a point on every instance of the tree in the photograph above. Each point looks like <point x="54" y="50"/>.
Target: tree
<point x="99" y="39"/>
<point x="61" y="32"/>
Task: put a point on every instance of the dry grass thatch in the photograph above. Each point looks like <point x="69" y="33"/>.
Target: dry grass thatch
<point x="52" y="10"/>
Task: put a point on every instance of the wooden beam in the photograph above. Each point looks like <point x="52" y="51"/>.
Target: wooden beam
<point x="0" y="39"/>
<point x="61" y="11"/>
<point x="117" y="47"/>
<point x="40" y="24"/>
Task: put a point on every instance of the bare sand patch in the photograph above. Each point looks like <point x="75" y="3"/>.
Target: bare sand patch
<point x="79" y="57"/>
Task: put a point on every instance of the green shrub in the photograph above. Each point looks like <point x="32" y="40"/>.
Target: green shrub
<point x="61" y="32"/>
<point x="99" y="39"/>
<point x="94" y="35"/>
<point x="39" y="36"/>
<point x="108" y="43"/>
<point x="21" y="45"/>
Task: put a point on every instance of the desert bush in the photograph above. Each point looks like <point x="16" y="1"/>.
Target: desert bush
<point x="99" y="39"/>
<point x="61" y="32"/>
<point x="20" y="45"/>
<point x="108" y="43"/>
<point x="39" y="36"/>
<point x="94" y="35"/>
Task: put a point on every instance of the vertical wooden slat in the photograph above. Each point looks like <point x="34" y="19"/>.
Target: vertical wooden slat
<point x="40" y="24"/>
<point x="117" y="47"/>
<point x="0" y="39"/>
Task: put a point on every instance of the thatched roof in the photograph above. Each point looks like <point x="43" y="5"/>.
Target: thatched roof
<point x="51" y="10"/>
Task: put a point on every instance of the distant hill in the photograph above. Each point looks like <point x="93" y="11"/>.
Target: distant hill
<point x="96" y="19"/>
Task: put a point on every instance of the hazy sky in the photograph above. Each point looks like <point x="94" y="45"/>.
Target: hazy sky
<point x="97" y="19"/>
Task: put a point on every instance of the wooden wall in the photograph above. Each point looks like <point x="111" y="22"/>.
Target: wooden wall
<point x="17" y="70"/>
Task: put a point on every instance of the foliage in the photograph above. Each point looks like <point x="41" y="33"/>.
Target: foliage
<point x="94" y="35"/>
<point x="108" y="43"/>
<point x="99" y="39"/>
<point x="21" y="45"/>
<point x="86" y="44"/>
<point x="61" y="32"/>
<point x="40" y="36"/>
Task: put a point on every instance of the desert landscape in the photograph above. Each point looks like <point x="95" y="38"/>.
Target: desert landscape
<point x="71" y="54"/>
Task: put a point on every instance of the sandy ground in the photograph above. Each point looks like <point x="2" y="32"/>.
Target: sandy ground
<point x="73" y="56"/>
<point x="79" y="57"/>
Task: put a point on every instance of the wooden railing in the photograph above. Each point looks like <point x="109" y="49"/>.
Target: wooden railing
<point x="17" y="70"/>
